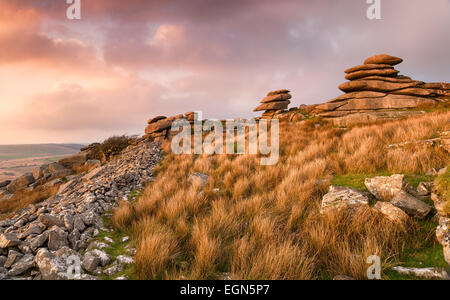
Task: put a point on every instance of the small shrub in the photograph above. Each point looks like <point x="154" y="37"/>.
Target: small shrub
<point x="110" y="147"/>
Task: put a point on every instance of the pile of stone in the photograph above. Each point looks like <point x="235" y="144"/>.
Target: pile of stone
<point x="276" y="102"/>
<point x="43" y="240"/>
<point x="377" y="91"/>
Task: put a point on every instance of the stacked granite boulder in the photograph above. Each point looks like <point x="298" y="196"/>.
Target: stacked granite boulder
<point x="375" y="90"/>
<point x="159" y="127"/>
<point x="275" y="102"/>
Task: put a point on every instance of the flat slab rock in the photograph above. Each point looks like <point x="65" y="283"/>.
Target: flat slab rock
<point x="342" y="197"/>
<point x="385" y="187"/>
<point x="427" y="273"/>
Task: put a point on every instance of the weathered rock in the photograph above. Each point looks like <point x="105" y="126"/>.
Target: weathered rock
<point x="126" y="260"/>
<point x="425" y="188"/>
<point x="278" y="92"/>
<point x="374" y="85"/>
<point x="442" y="207"/>
<point x="385" y="187"/>
<point x="13" y="256"/>
<point x="201" y="178"/>
<point x="8" y="240"/>
<point x="367" y="67"/>
<point x="156" y="119"/>
<point x="374" y="72"/>
<point x="392" y="212"/>
<point x="50" y="220"/>
<point x="343" y="197"/>
<point x="273" y="106"/>
<point x="57" y="238"/>
<point x="358" y="95"/>
<point x="383" y="59"/>
<point x="50" y="266"/>
<point x="114" y="269"/>
<point x="277" y="97"/>
<point x="23" y="265"/>
<point x="158" y="126"/>
<point x="427" y="273"/>
<point x="387" y="102"/>
<point x="411" y="205"/>
<point x="90" y="262"/>
<point x="20" y="182"/>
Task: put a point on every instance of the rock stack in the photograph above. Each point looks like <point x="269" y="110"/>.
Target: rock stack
<point x="274" y="103"/>
<point x="159" y="127"/>
<point x="375" y="90"/>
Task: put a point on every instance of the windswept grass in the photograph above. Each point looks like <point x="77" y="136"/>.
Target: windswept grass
<point x="263" y="222"/>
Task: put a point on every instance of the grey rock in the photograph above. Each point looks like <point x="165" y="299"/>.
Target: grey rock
<point x="8" y="240"/>
<point x="427" y="273"/>
<point x="22" y="266"/>
<point x="50" y="266"/>
<point x="126" y="260"/>
<point x="38" y="241"/>
<point x="343" y="197"/>
<point x="199" y="177"/>
<point x="57" y="238"/>
<point x="411" y="205"/>
<point x="90" y="262"/>
<point x="20" y="182"/>
<point x="12" y="257"/>
<point x="385" y="187"/>
<point x="50" y="220"/>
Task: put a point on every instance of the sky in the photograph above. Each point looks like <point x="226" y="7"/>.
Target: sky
<point x="124" y="62"/>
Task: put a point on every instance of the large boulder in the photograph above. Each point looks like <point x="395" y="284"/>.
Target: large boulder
<point x="411" y="205"/>
<point x="383" y="59"/>
<point x="273" y="106"/>
<point x="277" y="97"/>
<point x="385" y="187"/>
<point x="51" y="267"/>
<point x="158" y="126"/>
<point x="21" y="182"/>
<point x="387" y="102"/>
<point x="374" y="72"/>
<point x="374" y="85"/>
<point x="343" y="197"/>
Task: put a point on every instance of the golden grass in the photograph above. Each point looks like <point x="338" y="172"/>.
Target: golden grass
<point x="23" y="198"/>
<point x="264" y="221"/>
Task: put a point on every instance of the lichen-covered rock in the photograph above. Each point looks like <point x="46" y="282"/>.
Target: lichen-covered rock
<point x="343" y="197"/>
<point x="392" y="212"/>
<point x="385" y="187"/>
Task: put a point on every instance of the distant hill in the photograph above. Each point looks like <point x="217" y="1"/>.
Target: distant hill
<point x="9" y="152"/>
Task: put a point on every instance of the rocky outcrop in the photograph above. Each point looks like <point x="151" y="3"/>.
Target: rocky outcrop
<point x="376" y="92"/>
<point x="42" y="239"/>
<point x="275" y="102"/>
<point x="158" y="128"/>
